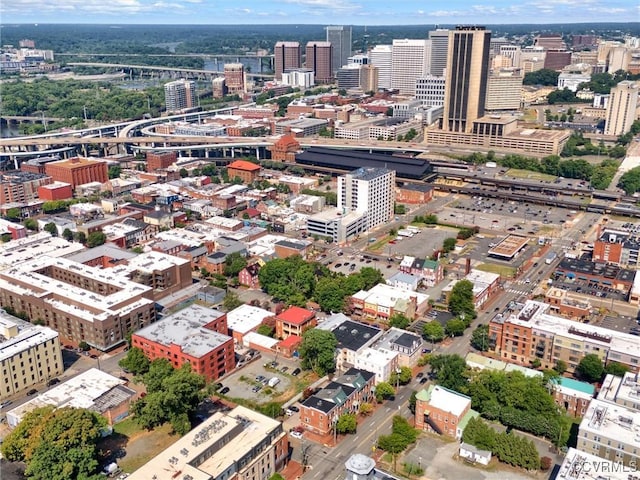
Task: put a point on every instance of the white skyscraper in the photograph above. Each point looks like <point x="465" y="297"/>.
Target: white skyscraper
<point x="410" y="60"/>
<point x="380" y="56"/>
<point x="179" y="95"/>
<point x="430" y="91"/>
<point x="368" y="190"/>
<point x="621" y="110"/>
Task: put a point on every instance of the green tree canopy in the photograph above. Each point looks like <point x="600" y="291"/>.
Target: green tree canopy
<point x="96" y="239"/>
<point x="403" y="377"/>
<point x="384" y="390"/>
<point x="542" y="77"/>
<point x="56" y="444"/>
<point x="480" y="338"/>
<point x="135" y="361"/>
<point x="433" y="331"/>
<point x="234" y="263"/>
<point x="266" y="330"/>
<point x="450" y="371"/>
<point x="399" y="321"/>
<point x="317" y="351"/>
<point x="630" y="181"/>
<point x="617" y="369"/>
<point x="30" y="224"/>
<point x="449" y="244"/>
<point x="590" y="368"/>
<point x="455" y="327"/>
<point x="347" y="423"/>
<point x="461" y="300"/>
<point x="231" y="301"/>
<point x="51" y="228"/>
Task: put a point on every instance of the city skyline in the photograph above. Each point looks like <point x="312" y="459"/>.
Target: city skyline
<point x="350" y="12"/>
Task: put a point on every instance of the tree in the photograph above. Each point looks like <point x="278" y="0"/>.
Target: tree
<point x="56" y="444"/>
<point x="630" y="181"/>
<point x="561" y="367"/>
<point x="67" y="235"/>
<point x="399" y="321"/>
<point x="449" y="244"/>
<point x="84" y="346"/>
<point x="455" y="327"/>
<point x="51" y="228"/>
<point x="461" y="300"/>
<point x="403" y="377"/>
<point x="30" y="224"/>
<point x="617" y="369"/>
<point x="13" y="214"/>
<point x="233" y="264"/>
<point x="393" y="444"/>
<point x="480" y="338"/>
<point x="384" y="390"/>
<point x="183" y="173"/>
<point x="265" y="330"/>
<point x="450" y="371"/>
<point x="317" y="351"/>
<point x="590" y="368"/>
<point x="95" y="239"/>
<point x="80" y="237"/>
<point x="480" y="434"/>
<point x="365" y="409"/>
<point x="347" y="423"/>
<point x="433" y="331"/>
<point x="413" y="399"/>
<point x="114" y="172"/>
<point x="136" y="362"/>
<point x="544" y="76"/>
<point x="231" y="301"/>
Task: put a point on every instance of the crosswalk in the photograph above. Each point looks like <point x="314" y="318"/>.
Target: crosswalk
<point x="523" y="291"/>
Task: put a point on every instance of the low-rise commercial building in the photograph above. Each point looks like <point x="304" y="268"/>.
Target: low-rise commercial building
<point x="246" y="171"/>
<point x="93" y="390"/>
<point x="29" y="354"/>
<point x="195" y="335"/>
<point x="294" y="321"/>
<point x="485" y="286"/>
<point x="382" y="301"/>
<point x="239" y="444"/>
<point x="335" y="225"/>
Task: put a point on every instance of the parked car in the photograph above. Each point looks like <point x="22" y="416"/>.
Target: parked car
<point x="224" y="391"/>
<point x="423" y="380"/>
<point x="420" y="375"/>
<point x="296" y="372"/>
<point x="32" y="392"/>
<point x="293" y="408"/>
<point x="296" y="434"/>
<point x="52" y="381"/>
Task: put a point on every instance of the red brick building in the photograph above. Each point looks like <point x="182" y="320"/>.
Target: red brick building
<point x="289" y="346"/>
<point x="442" y="411"/>
<point x="248" y="276"/>
<point x="194" y="335"/>
<point x="294" y="321"/>
<point x="414" y="194"/>
<point x="246" y="171"/>
<point x="55" y="191"/>
<point x="78" y="171"/>
<point x="285" y="149"/>
<point x="160" y="160"/>
<point x="343" y="395"/>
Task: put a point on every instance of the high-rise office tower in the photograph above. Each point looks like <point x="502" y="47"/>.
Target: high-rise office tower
<point x="439" y="50"/>
<point x="234" y="78"/>
<point x="319" y="56"/>
<point x="430" y="91"/>
<point x="179" y="95"/>
<point x="369" y="78"/>
<point x="409" y="61"/>
<point x="340" y="39"/>
<point x="504" y="90"/>
<point x="287" y="56"/>
<point x="380" y="56"/>
<point x="466" y="77"/>
<point x="621" y="110"/>
<point x="370" y="190"/>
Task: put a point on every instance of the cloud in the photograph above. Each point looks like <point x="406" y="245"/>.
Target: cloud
<point x="333" y="5"/>
<point x="90" y="8"/>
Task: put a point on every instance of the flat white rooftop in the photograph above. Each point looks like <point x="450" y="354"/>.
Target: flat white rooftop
<point x="215" y="446"/>
<point x="185" y="328"/>
<point x="579" y="465"/>
<point x="625" y="390"/>
<point x="34" y="246"/>
<point x="387" y="295"/>
<point x="611" y="421"/>
<point x="448" y="401"/>
<point x="246" y="317"/>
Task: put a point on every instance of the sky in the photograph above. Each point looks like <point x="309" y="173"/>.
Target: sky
<point x="344" y="12"/>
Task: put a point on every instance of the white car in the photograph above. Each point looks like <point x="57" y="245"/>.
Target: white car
<point x="296" y="434"/>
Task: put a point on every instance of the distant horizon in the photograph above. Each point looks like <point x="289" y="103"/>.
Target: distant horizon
<point x="439" y="24"/>
<point x="322" y="12"/>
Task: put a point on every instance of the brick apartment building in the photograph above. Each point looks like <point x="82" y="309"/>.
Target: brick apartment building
<point x="414" y="194"/>
<point x="78" y="171"/>
<point x="294" y="321"/>
<point x="247" y="171"/>
<point x="194" y="335"/>
<point x="343" y="395"/>
<point x="442" y="411"/>
<point x="248" y="276"/>
<point x="21" y="186"/>
<point x="160" y="160"/>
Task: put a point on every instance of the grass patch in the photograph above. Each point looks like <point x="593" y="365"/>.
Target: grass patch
<point x="128" y="427"/>
<point x="516" y="173"/>
<point x="502" y="270"/>
<point x="145" y="446"/>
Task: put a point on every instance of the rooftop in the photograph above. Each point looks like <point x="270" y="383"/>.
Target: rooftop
<point x="624" y="390"/>
<point x="369" y="173"/>
<point x="36" y="246"/>
<point x="509" y="246"/>
<point x="216" y="446"/>
<point x="246" y="318"/>
<point x="296" y="315"/>
<point x="187" y="329"/>
<point x="244" y="165"/>
<point x="353" y="335"/>
<point x="445" y="399"/>
<point x="611" y="421"/>
<point x="579" y="465"/>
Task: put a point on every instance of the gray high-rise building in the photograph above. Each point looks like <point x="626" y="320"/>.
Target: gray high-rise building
<point x="439" y="50"/>
<point x="340" y="39"/>
<point x="179" y="95"/>
<point x="466" y="77"/>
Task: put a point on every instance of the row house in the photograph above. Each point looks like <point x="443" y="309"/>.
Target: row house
<point x="345" y="394"/>
<point x="430" y="272"/>
<point x="248" y="276"/>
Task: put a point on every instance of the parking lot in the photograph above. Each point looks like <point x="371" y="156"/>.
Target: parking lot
<point x="252" y="380"/>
